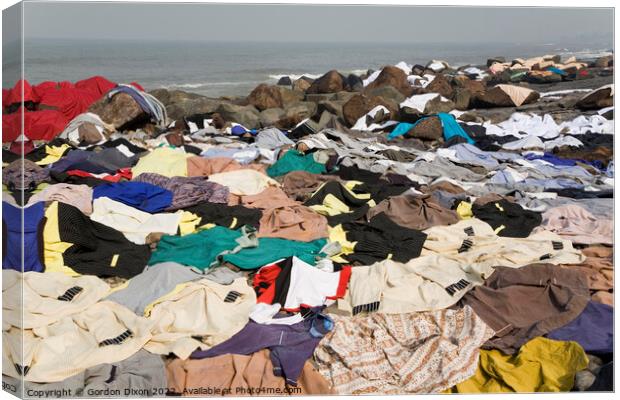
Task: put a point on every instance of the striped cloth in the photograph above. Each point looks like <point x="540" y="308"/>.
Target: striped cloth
<point x="402" y="353"/>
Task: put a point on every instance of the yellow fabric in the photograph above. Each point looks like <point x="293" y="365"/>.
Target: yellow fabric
<point x="165" y="161"/>
<point x="54" y="153"/>
<point x="331" y="206"/>
<point x="542" y="365"/>
<point x="499" y="207"/>
<point x="189" y="223"/>
<point x="464" y="210"/>
<point x="337" y="234"/>
<point x="499" y="229"/>
<point x="53" y="247"/>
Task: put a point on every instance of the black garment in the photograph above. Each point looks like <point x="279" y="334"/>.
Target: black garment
<point x="592" y="140"/>
<point x="98" y="249"/>
<point x="359" y="207"/>
<point x="380" y="238"/>
<point x="517" y="221"/>
<point x="604" y="379"/>
<point x="379" y="189"/>
<point x="231" y="217"/>
<point x="63" y="177"/>
<point x="583" y="194"/>
<point x="398" y="155"/>
<point x="192" y="149"/>
<point x="9" y="156"/>
<point x="117" y="142"/>
<point x="474" y="131"/>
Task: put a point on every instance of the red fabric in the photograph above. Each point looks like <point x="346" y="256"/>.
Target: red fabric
<point x="105" y="177"/>
<point x="267" y="276"/>
<point x="38" y="125"/>
<point x="17" y="147"/>
<point x="345" y="275"/>
<point x="68" y="100"/>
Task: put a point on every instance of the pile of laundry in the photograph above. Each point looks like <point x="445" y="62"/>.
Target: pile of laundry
<point x="377" y="256"/>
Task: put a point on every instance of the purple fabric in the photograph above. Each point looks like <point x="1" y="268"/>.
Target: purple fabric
<point x="187" y="191"/>
<point x="290" y="346"/>
<point x="593" y="329"/>
<point x="69" y="159"/>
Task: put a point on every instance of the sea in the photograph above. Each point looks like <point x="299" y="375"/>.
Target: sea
<point x="217" y="69"/>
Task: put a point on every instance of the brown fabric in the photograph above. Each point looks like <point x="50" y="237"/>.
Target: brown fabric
<point x="235" y="375"/>
<point x="300" y="185"/>
<point x="599" y="270"/>
<point x="286" y="218"/>
<point x="447" y="187"/>
<point x="522" y="303"/>
<point x="415" y="212"/>
<point x="198" y="166"/>
<point x="599" y="153"/>
<point x="491" y="197"/>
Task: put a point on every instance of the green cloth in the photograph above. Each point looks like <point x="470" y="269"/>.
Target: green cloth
<point x="207" y="248"/>
<point x="199" y="249"/>
<point x="274" y="249"/>
<point x="293" y="160"/>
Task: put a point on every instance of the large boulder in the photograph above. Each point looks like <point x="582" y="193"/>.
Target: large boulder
<point x="271" y="116"/>
<point x="392" y="76"/>
<point x="302" y="84"/>
<point x="120" y="111"/>
<point x="604" y="62"/>
<point x="180" y="104"/>
<point x="354" y="83"/>
<point x="297" y="112"/>
<point x="285" y="81"/>
<point x="494" y="60"/>
<point x="331" y="82"/>
<point x="290" y="96"/>
<point x="597" y="99"/>
<point x="360" y="104"/>
<point x="247" y="116"/>
<point x="428" y="129"/>
<point x="441" y="85"/>
<point x="387" y="92"/>
<point x="506" y="96"/>
<point x="331" y="106"/>
<point x="265" y="96"/>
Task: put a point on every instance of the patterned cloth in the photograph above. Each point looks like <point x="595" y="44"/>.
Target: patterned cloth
<point x="187" y="191"/>
<point x="402" y="353"/>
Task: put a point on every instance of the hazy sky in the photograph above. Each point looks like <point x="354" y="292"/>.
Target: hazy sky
<point x="317" y="23"/>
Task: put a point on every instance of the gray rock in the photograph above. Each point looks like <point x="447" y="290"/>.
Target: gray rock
<point x="271" y="116"/>
<point x="290" y="96"/>
<point x="301" y="109"/>
<point x="387" y="92"/>
<point x="285" y="81"/>
<point x="247" y="116"/>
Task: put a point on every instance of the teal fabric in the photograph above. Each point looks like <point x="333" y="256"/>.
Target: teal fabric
<point x="197" y="249"/>
<point x="293" y="160"/>
<point x="273" y="249"/>
<point x="204" y="249"/>
<point x="451" y="128"/>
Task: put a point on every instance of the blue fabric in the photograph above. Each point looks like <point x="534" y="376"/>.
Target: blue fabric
<point x="140" y="195"/>
<point x="238" y="130"/>
<point x="33" y="248"/>
<point x="566" y="162"/>
<point x="402" y="128"/>
<point x="557" y="71"/>
<point x="451" y="128"/>
<point x="593" y="329"/>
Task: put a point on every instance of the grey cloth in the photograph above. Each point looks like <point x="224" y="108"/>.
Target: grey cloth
<point x="141" y="375"/>
<point x="447" y="199"/>
<point x="272" y="139"/>
<point x="441" y="167"/>
<point x="160" y="279"/>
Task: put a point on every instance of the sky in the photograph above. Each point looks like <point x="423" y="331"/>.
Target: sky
<point x="318" y="23"/>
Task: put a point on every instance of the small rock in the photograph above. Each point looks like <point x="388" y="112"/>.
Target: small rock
<point x="285" y="81"/>
<point x="494" y="60"/>
<point x="331" y="82"/>
<point x="301" y="85"/>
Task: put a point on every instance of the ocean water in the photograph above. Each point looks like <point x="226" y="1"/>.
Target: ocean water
<point x="234" y="69"/>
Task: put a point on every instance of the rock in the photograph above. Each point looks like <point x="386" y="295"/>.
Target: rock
<point x="428" y="129"/>
<point x="418" y="70"/>
<point x="494" y="60"/>
<point x="438" y="105"/>
<point x="408" y="114"/>
<point x="285" y="81"/>
<point x="604" y="62"/>
<point x="354" y="83"/>
<point x="442" y="86"/>
<point x="247" y="116"/>
<point x="583" y="380"/>
<point x="391" y="76"/>
<point x="539" y="77"/>
<point x="437" y="65"/>
<point x="173" y="96"/>
<point x="218" y="121"/>
<point x="462" y="99"/>
<point x="302" y="84"/>
<point x="387" y="92"/>
<point x="331" y="82"/>
<point x="265" y="96"/>
<point x="597" y="99"/>
<point x="319" y="97"/>
<point x="300" y="111"/>
<point x="290" y="96"/>
<point x="333" y="107"/>
<point x="121" y="111"/>
<point x="360" y="104"/>
<point x="505" y="96"/>
<point x="343" y="96"/>
<point x="270" y="116"/>
<point x="472" y="85"/>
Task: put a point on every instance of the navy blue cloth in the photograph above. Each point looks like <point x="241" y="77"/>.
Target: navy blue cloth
<point x="290" y="346"/>
<point x="140" y="195"/>
<point x="69" y="159"/>
<point x="12" y="237"/>
<point x="593" y="329"/>
<point x="563" y="161"/>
